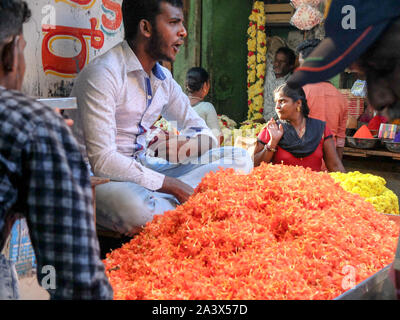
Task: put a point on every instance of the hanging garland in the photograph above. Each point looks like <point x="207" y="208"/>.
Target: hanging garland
<point x="256" y="60"/>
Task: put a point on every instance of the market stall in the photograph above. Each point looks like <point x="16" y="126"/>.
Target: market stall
<point x="279" y="233"/>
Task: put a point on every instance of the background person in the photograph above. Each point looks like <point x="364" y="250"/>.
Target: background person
<point x="326" y="103"/>
<point x="277" y="74"/>
<point x="296" y="139"/>
<point x="44" y="179"/>
<point x="198" y="86"/>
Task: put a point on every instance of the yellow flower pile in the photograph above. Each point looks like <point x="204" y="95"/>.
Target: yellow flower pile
<point x="372" y="188"/>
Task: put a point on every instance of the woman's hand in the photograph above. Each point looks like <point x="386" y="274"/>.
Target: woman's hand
<point x="275" y="131"/>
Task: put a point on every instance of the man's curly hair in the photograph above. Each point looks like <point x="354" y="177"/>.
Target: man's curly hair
<point x="13" y="14"/>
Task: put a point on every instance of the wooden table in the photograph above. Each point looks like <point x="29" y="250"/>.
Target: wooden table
<point x="364" y="153"/>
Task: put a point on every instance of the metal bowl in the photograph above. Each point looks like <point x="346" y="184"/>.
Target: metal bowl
<point x="362" y="143"/>
<point x="392" y="146"/>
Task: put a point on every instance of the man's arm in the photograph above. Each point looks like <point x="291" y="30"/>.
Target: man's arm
<point x="97" y="92"/>
<point x="60" y="213"/>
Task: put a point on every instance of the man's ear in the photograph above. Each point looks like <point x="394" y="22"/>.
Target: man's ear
<point x="8" y="56"/>
<point x="145" y="28"/>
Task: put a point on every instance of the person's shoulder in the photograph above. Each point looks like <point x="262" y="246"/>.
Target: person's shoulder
<point x="207" y="105"/>
<point x="109" y="63"/>
<point x="15" y="100"/>
<point x="313" y="87"/>
<point x="24" y="112"/>
<point x="317" y="121"/>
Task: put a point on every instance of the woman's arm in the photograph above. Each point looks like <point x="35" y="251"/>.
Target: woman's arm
<point x="331" y="158"/>
<point x="265" y="150"/>
<point x="262" y="154"/>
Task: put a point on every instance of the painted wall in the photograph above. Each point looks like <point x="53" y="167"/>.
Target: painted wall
<point x="62" y="37"/>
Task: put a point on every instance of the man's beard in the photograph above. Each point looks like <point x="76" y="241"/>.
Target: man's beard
<point x="154" y="48"/>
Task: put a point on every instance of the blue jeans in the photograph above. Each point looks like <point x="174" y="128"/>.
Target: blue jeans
<point x="8" y="280"/>
<point x="125" y="207"/>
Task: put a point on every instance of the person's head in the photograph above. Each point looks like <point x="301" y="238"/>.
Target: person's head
<point x="13" y="14"/>
<point x="366" y="37"/>
<point x="158" y="22"/>
<point x="290" y="103"/>
<point x="380" y="64"/>
<point x="305" y="48"/>
<point x="197" y="81"/>
<point x="284" y="61"/>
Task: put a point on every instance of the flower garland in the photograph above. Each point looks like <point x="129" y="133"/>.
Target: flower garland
<point x="256" y="60"/>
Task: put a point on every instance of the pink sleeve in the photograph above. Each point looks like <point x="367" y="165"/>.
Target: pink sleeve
<point x="264" y="136"/>
<point x="341" y="131"/>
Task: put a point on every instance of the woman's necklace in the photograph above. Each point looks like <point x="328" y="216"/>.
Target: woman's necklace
<point x="194" y="100"/>
<point x="302" y="129"/>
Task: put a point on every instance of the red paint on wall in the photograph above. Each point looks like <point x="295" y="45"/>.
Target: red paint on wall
<point x="116" y="9"/>
<point x="72" y="65"/>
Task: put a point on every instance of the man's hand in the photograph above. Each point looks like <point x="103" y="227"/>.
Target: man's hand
<point x="177" y="188"/>
<point x="168" y="146"/>
<point x="177" y="149"/>
<point x="68" y="121"/>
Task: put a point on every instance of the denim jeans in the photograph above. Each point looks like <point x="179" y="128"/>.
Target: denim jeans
<point x="125" y="207"/>
<point x="8" y="280"/>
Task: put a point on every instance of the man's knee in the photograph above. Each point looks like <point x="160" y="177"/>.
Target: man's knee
<point x="125" y="207"/>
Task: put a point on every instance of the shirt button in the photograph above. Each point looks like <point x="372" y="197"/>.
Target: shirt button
<point x="149" y="97"/>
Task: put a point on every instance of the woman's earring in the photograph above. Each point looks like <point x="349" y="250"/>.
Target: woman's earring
<point x="298" y="109"/>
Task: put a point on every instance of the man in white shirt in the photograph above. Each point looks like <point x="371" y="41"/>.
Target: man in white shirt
<point x="121" y="94"/>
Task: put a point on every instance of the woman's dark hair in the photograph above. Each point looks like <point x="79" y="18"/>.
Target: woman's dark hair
<point x="295" y="95"/>
<point x="307" y="46"/>
<point x="195" y="79"/>
<point x="13" y="14"/>
<point x="135" y="10"/>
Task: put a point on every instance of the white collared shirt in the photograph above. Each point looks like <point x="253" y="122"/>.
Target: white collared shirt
<point x="117" y="104"/>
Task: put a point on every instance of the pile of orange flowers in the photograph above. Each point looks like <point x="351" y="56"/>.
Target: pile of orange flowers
<point x="281" y="232"/>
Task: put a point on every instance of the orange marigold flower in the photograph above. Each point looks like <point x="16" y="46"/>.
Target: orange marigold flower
<point x="280" y="232"/>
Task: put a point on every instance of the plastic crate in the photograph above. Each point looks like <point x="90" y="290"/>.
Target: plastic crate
<point x="355" y="104"/>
